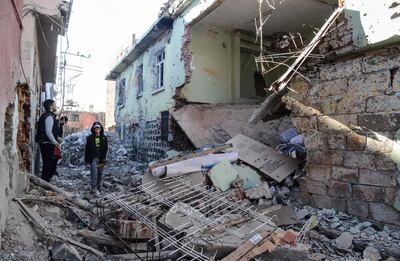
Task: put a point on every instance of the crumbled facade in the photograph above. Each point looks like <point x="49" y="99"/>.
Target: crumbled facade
<point x="81" y="120"/>
<point x="348" y="114"/>
<point x="28" y="62"/>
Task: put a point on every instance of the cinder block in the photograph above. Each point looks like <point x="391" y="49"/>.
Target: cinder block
<point x="369" y="193"/>
<point x="319" y="172"/>
<point x="358" y="208"/>
<point x="385" y="213"/>
<point x="358" y="159"/>
<point x="312" y="186"/>
<point x="345" y="174"/>
<point x="378" y="178"/>
<point x="340" y="189"/>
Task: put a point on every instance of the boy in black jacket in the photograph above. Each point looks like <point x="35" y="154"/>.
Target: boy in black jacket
<point x="95" y="155"/>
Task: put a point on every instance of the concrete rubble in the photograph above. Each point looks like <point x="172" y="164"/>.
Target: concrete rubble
<point x="196" y="209"/>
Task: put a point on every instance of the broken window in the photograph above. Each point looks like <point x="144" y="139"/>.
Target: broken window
<point x="121" y="92"/>
<point x="160" y="58"/>
<point x="139" y="79"/>
<point x="164" y="125"/>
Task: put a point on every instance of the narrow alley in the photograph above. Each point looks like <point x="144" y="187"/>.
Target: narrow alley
<point x="230" y="130"/>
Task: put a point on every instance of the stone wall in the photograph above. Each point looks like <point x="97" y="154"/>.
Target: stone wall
<point x="349" y="114"/>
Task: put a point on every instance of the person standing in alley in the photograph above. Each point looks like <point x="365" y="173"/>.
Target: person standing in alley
<point x="95" y="155"/>
<point x="46" y="136"/>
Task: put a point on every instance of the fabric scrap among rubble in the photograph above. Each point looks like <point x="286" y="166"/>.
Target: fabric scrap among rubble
<point x="249" y="176"/>
<point x="223" y="175"/>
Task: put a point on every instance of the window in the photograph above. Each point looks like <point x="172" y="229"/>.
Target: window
<point x="121" y="93"/>
<point x="139" y="79"/>
<point x="75" y="117"/>
<point x="164" y="125"/>
<point x="160" y="58"/>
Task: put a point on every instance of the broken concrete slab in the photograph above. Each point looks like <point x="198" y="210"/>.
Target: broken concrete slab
<point x="260" y="191"/>
<point x="223" y="175"/>
<point x="281" y="215"/>
<point x="344" y="241"/>
<point x="270" y="162"/>
<point x="302" y="213"/>
<point x="65" y="252"/>
<point x="211" y="124"/>
<point x="371" y="254"/>
<point x="249" y="176"/>
<point x="193" y="165"/>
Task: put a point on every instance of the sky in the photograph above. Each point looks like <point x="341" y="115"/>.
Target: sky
<point x="100" y="28"/>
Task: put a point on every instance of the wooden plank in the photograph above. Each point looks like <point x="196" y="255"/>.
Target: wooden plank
<point x="191" y="156"/>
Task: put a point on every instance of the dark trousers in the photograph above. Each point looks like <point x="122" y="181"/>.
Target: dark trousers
<point x="49" y="162"/>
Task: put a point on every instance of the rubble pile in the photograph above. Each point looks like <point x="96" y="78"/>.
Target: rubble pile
<point x="223" y="202"/>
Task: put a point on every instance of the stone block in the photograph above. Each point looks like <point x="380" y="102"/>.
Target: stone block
<point x="385" y="213"/>
<point x="378" y="178"/>
<point x="326" y="105"/>
<point x="383" y="61"/>
<point x="319" y="172"/>
<point x="383" y="103"/>
<point x="340" y="189"/>
<point x="341" y="70"/>
<point x="315" y="140"/>
<point x="325" y="157"/>
<point x="336" y="141"/>
<point x="370" y="83"/>
<point x="384" y="162"/>
<point x="357" y="159"/>
<point x="396" y="81"/>
<point x="390" y="195"/>
<point x="355" y="141"/>
<point x="380" y="122"/>
<point x="305" y="124"/>
<point x="345" y="174"/>
<point x="330" y="88"/>
<point x="358" y="208"/>
<point x="312" y="186"/>
<point x="369" y="193"/>
<point x="298" y="90"/>
<point x="300" y="196"/>
<point x="325" y="201"/>
<point x="352" y="104"/>
<point x="337" y="123"/>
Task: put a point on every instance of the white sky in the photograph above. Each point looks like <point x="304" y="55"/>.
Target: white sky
<point x="100" y="28"/>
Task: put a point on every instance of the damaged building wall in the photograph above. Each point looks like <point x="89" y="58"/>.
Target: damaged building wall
<point x="348" y="114"/>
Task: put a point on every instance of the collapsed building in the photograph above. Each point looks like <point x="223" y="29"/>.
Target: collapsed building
<point x="328" y="68"/>
<point x="29" y="32"/>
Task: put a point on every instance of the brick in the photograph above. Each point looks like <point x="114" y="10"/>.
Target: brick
<point x="358" y="208"/>
<point x="355" y="141"/>
<point x="369" y="193"/>
<point x="384" y="162"/>
<point x="340" y="189"/>
<point x="356" y="159"/>
<point x="331" y="88"/>
<point x="385" y="213"/>
<point x="383" y="103"/>
<point x="382" y="146"/>
<point x="380" y="122"/>
<point x="325" y="157"/>
<point x="370" y="83"/>
<point x="341" y="70"/>
<point x="336" y="141"/>
<point x="315" y="140"/>
<point x="305" y="124"/>
<point x="312" y="186"/>
<point x="345" y="174"/>
<point x="324" y="201"/>
<point x="337" y="123"/>
<point x="319" y="172"/>
<point x="378" y="178"/>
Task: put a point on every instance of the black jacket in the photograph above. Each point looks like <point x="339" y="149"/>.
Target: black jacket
<point x="41" y="128"/>
<point x="90" y="149"/>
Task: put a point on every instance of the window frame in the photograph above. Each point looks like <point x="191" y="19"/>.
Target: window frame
<point x="160" y="71"/>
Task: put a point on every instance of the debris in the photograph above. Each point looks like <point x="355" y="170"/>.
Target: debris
<point x="344" y="241"/>
<point x="65" y="252"/>
<point x="54" y="212"/>
<point x="249" y="176"/>
<point x="302" y="213"/>
<point x="396" y="203"/>
<point x="281" y="215"/>
<point x="261" y="191"/>
<point x="223" y="175"/>
<point x="172" y="153"/>
<point x="100" y="238"/>
<point x="264" y="158"/>
<point x="371" y="254"/>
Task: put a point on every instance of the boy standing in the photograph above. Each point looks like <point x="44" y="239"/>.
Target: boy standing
<point x="95" y="155"/>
